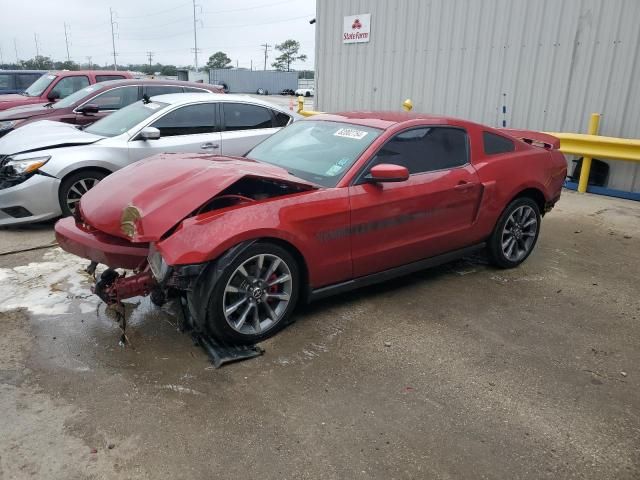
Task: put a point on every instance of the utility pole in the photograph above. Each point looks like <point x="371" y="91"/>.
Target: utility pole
<point x="89" y="59"/>
<point x="1" y="57"/>
<point x="266" y="53"/>
<point x="113" y="40"/>
<point x="15" y="47"/>
<point x="35" y="38"/>
<point x="66" y="40"/>
<point x="195" y="37"/>
<point x="150" y="56"/>
<point x="252" y="64"/>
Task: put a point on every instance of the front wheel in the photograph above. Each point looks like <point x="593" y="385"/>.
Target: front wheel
<point x="516" y="233"/>
<point x="74" y="186"/>
<point x="255" y="295"/>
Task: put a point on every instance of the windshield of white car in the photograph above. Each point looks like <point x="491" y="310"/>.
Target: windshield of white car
<point x="124" y="119"/>
<point x="75" y="97"/>
<point x="39" y="86"/>
<point x="317" y="151"/>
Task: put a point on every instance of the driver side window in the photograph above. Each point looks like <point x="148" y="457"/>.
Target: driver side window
<point x="425" y="149"/>
<point x="68" y="85"/>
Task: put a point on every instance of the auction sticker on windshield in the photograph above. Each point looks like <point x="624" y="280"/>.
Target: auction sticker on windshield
<point x="351" y="133"/>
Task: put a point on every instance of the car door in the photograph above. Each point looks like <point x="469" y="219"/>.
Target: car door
<point x="188" y="128"/>
<point x="107" y="102"/>
<point x="244" y="126"/>
<point x="393" y="224"/>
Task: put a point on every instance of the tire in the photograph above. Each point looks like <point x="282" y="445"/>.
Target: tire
<point x="231" y="319"/>
<point x="74" y="186"/>
<point x="260" y="91"/>
<point x="515" y="234"/>
<point x="307" y="94"/>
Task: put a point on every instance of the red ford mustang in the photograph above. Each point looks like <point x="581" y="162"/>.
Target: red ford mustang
<point x="330" y="203"/>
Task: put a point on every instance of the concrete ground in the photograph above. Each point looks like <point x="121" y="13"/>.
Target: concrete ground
<point x="463" y="371"/>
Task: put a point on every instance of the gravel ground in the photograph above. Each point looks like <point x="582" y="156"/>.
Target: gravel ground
<point x="463" y="371"/>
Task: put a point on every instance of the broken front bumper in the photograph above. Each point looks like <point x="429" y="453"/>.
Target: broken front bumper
<point x="98" y="246"/>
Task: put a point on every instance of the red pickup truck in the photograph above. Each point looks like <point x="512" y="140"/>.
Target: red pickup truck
<point x="53" y="86"/>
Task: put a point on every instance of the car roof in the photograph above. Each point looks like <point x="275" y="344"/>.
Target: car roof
<point x="120" y="73"/>
<point x="182" y="98"/>
<point x="385" y="119"/>
<point x="153" y="81"/>
<point x="23" y="71"/>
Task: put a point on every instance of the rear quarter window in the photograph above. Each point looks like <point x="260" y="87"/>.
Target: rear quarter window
<point x="496" y="144"/>
<point x="106" y="78"/>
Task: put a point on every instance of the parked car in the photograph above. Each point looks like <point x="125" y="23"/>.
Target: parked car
<point x="287" y="91"/>
<point x="305" y="92"/>
<point x="328" y="204"/>
<point x="96" y="101"/>
<point x="45" y="167"/>
<point x="17" y="81"/>
<point x="53" y="86"/>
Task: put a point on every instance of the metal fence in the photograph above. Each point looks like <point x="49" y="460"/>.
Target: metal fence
<point x="249" y="81"/>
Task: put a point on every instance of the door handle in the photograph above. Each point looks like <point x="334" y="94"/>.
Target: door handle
<point x="463" y="185"/>
<point x="209" y="146"/>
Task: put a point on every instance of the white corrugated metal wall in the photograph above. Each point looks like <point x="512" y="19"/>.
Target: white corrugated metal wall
<point x="552" y="62"/>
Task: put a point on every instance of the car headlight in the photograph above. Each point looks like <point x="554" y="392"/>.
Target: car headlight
<point x="159" y="267"/>
<point x="8" y="125"/>
<point x="27" y="165"/>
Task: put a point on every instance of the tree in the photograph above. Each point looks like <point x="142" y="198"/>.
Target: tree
<point x="66" y="65"/>
<point x="37" y="63"/>
<point x="289" y="50"/>
<point x="219" y="60"/>
<point x="169" y="71"/>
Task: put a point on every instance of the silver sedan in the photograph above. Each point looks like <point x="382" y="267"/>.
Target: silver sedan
<point x="45" y="167"/>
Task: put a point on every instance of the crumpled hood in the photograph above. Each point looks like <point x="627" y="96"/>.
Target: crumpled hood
<point x="26" y="111"/>
<point x="43" y="135"/>
<point x="164" y="189"/>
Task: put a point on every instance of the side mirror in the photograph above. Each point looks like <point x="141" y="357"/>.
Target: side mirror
<point x="150" y="133"/>
<point x="89" y="109"/>
<point x="387" y="172"/>
<point x="53" y="95"/>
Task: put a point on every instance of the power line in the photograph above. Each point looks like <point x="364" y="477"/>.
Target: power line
<point x="249" y="8"/>
<point x="195" y="36"/>
<point x="113" y="40"/>
<point x="66" y="40"/>
<point x="35" y="39"/>
<point x="266" y="53"/>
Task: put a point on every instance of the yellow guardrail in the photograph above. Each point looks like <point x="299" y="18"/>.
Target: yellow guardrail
<point x="592" y="145"/>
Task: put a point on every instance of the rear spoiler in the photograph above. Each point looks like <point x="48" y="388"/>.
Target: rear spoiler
<point x="537" y="139"/>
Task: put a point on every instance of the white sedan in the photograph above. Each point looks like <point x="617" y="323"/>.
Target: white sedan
<point x="45" y="167"/>
<point x="305" y="92"/>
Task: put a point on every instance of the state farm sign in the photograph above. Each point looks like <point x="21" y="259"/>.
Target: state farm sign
<point x="357" y="28"/>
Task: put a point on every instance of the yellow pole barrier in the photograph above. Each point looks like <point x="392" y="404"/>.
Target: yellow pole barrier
<point x="407" y="105"/>
<point x="300" y="103"/>
<point x="594" y="123"/>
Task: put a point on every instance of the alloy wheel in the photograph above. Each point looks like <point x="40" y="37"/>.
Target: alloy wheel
<point x="78" y="189"/>
<point x="519" y="233"/>
<point x="257" y="294"/>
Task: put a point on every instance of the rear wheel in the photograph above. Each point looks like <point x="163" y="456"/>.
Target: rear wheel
<point x="255" y="296"/>
<point x="74" y="186"/>
<point x="516" y="233"/>
<point x="308" y="94"/>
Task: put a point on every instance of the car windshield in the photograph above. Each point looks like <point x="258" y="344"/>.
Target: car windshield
<point x="40" y="85"/>
<point x="314" y="150"/>
<point x="76" y="97"/>
<point x="124" y="119"/>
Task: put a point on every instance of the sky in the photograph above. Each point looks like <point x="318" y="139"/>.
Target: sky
<point x="164" y="27"/>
